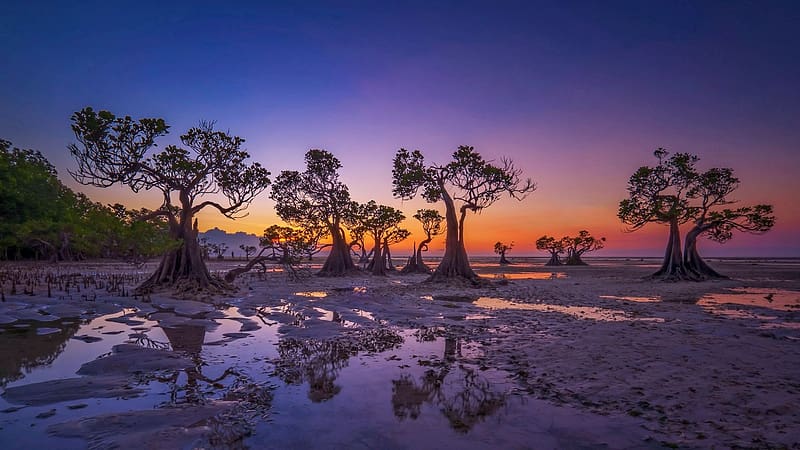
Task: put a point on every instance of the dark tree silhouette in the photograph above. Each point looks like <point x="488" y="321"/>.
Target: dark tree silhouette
<point x="501" y="249"/>
<point x="248" y="250"/>
<point x="394" y="235"/>
<point x="552" y="245"/>
<point x="431" y="222"/>
<point x="316" y="199"/>
<point x="580" y="244"/>
<point x="459" y="392"/>
<point x="113" y="150"/>
<point x="358" y="241"/>
<point x="710" y="191"/>
<point x="286" y="245"/>
<point x="378" y="222"/>
<point x="468" y="180"/>
<point x="660" y="194"/>
<point x="675" y="192"/>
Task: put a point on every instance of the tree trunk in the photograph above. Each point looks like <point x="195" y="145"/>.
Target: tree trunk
<point x="574" y="259"/>
<point x="339" y="261"/>
<point x="183" y="268"/>
<point x="503" y="260"/>
<point x="387" y="258"/>
<point x="378" y="264"/>
<point x="555" y="260"/>
<point x="455" y="263"/>
<point x="692" y="260"/>
<point x="415" y="263"/>
<point x="673" y="269"/>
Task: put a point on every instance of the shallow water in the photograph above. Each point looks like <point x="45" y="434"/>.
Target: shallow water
<point x="580" y="312"/>
<point x="379" y="387"/>
<point x="772" y="308"/>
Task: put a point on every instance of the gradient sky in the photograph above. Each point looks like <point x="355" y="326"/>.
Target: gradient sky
<point x="579" y="94"/>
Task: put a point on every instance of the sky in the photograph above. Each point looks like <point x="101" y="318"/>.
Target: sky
<point x="578" y="94"/>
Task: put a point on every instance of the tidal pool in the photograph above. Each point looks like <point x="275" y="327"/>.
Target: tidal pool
<point x="236" y="376"/>
<point x="579" y="312"/>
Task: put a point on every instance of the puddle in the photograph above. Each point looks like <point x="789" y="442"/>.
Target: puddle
<point x="312" y="294"/>
<point x="532" y="275"/>
<point x="632" y="299"/>
<point x="777" y="299"/>
<point x="580" y="312"/>
<point x="768" y="306"/>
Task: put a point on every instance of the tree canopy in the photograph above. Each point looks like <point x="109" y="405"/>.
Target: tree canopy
<point x="501" y="248"/>
<point x="117" y="150"/>
<point x="467" y="183"/>
<point x="432" y="226"/>
<point x="675" y="192"/>
<point x="577" y="246"/>
<point x="317" y="199"/>
<point x="42" y="218"/>
<point x="553" y="246"/>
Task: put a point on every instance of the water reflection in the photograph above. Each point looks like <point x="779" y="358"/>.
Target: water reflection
<point x="777" y="299"/>
<point x="629" y="298"/>
<point x="580" y="312"/>
<point x="532" y="275"/>
<point x="318" y="362"/>
<point x="459" y="392"/>
<point x="23" y="348"/>
<point x="312" y="294"/>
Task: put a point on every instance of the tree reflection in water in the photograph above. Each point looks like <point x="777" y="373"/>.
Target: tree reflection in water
<point x="464" y="401"/>
<point x="198" y="388"/>
<point x="22" y="349"/>
<point x="318" y="362"/>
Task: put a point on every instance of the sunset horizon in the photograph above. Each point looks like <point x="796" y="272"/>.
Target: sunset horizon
<point x="577" y="109"/>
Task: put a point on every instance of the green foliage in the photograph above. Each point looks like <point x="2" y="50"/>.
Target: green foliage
<point x="289" y="245"/>
<point x="114" y="150"/>
<point x="378" y="221"/>
<point x="660" y="193"/>
<point x="315" y="198"/>
<point x="476" y="182"/>
<point x="431" y="222"/>
<point x="40" y="217"/>
<point x="675" y="190"/>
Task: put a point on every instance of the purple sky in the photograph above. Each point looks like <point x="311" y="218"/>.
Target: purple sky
<point x="579" y="94"/>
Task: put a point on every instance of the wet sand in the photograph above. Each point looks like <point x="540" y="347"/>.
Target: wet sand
<point x="581" y="356"/>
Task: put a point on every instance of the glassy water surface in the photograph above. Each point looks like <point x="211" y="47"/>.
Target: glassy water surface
<point x="374" y="386"/>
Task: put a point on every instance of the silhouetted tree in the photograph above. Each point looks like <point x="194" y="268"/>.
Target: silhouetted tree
<point x="113" y="150"/>
<point x="376" y="221"/>
<point x="710" y="192"/>
<point x="660" y="194"/>
<point x="431" y="222"/>
<point x="580" y="244"/>
<point x="315" y="199"/>
<point x="552" y="245"/>
<point x="248" y="250"/>
<point x="501" y="249"/>
<point x="394" y="235"/>
<point x="675" y="192"/>
<point x="287" y="246"/>
<point x="358" y="241"/>
<point x="220" y="249"/>
<point x="469" y="180"/>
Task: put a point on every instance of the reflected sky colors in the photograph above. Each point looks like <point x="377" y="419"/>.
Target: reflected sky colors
<point x="577" y="93"/>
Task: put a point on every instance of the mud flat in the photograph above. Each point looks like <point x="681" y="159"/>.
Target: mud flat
<point x="534" y="358"/>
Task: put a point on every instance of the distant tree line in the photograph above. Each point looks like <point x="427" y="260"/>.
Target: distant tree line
<point x="42" y="219"/>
